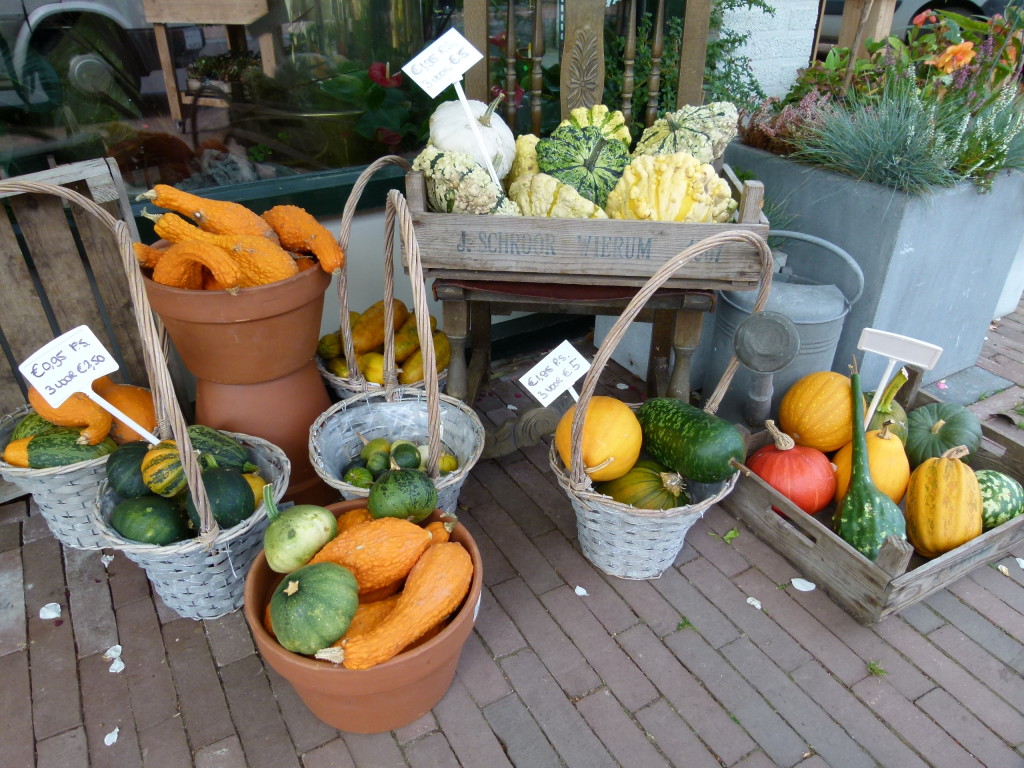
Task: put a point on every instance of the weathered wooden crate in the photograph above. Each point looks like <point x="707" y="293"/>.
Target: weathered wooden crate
<point x="899" y="578"/>
<point x="588" y="251"/>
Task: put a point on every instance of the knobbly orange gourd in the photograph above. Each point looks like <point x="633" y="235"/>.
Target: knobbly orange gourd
<point x="77" y="411"/>
<point x="611" y="438"/>
<point x="352" y="517"/>
<point x="16" y="452"/>
<point x="180" y="260"/>
<point x="815" y="411"/>
<point x="368" y="616"/>
<point x="944" y="505"/>
<point x="378" y="552"/>
<point x="221" y="217"/>
<point x="887" y="461"/>
<point x="436" y="586"/>
<point x="260" y="260"/>
<point x="299" y="231"/>
<point x="147" y="255"/>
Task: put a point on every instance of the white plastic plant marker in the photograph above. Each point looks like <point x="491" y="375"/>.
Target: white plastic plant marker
<point x="71" y="363"/>
<point x="555" y="373"/>
<point x="443" y="63"/>
<point x="896" y="348"/>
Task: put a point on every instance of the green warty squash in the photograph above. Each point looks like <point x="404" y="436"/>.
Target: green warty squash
<point x="585" y="159"/>
<point x="456" y="183"/>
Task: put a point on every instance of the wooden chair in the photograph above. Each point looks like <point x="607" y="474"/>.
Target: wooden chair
<point x="59" y="269"/>
<point x="676" y="314"/>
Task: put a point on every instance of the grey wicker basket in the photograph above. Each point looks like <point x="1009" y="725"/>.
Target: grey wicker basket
<point x="194" y="579"/>
<point x="618" y="538"/>
<point x="64" y="496"/>
<point x="420" y="415"/>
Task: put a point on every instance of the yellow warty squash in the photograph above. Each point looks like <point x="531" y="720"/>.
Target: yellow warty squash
<point x="675" y="187"/>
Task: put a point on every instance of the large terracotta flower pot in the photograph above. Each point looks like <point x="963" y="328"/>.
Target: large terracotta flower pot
<point x="385" y="697"/>
<point x="252" y="354"/>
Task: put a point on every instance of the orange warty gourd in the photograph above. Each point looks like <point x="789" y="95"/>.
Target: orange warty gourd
<point x="368" y="330"/>
<point x="147" y="255"/>
<point x="352" y="517"/>
<point x="611" y="438"/>
<point x="436" y="586"/>
<point x="368" y="616"/>
<point x="944" y="507"/>
<point x="887" y="462"/>
<point x="16" y="452"/>
<point x="221" y="217"/>
<point x="815" y="411"/>
<point x="77" y="411"/>
<point x="180" y="260"/>
<point x="378" y="552"/>
<point x="299" y="231"/>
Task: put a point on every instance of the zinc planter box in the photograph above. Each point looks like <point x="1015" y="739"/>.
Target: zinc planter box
<point x="934" y="266"/>
<point x="870" y="591"/>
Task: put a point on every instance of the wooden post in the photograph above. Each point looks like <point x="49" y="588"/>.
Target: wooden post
<point x="475" y="21"/>
<point x="877" y="21"/>
<point x="582" y="83"/>
<point x="693" y="53"/>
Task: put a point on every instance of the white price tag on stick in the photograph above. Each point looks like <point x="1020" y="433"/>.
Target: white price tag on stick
<point x="443" y="63"/>
<point x="71" y="363"/>
<point x="555" y="374"/>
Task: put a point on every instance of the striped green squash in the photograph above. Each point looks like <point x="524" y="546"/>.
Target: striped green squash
<point x="1002" y="498"/>
<point x="61" y="448"/>
<point x="32" y="424"/>
<point x="227" y="452"/>
<point x="162" y="471"/>
<point x="585" y="159"/>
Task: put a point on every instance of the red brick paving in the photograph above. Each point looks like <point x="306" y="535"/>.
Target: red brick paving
<point x="677" y="671"/>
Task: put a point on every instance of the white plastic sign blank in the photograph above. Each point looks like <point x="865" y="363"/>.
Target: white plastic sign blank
<point x="68" y="364"/>
<point x="555" y="374"/>
<point x="443" y="62"/>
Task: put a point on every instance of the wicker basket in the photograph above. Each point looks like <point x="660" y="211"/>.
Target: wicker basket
<point x="400" y="412"/>
<point x="620" y="539"/>
<point x="194" y="580"/>
<point x="65" y="496"/>
<point x="356" y="382"/>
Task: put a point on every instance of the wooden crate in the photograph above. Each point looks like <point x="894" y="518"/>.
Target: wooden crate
<point x="899" y="578"/>
<point x="587" y="251"/>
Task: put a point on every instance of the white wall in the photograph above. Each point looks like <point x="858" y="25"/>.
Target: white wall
<point x="779" y="45"/>
<point x="365" y="259"/>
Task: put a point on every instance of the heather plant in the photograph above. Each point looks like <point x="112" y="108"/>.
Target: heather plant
<point x="939" y="108"/>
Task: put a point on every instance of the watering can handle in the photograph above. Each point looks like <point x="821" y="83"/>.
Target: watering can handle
<point x="847" y="258"/>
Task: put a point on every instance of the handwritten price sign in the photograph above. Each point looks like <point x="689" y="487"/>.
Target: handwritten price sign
<point x="71" y="363"/>
<point x="555" y="374"/>
<point x="443" y="62"/>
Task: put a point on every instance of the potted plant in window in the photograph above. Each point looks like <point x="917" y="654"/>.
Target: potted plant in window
<point x="909" y="160"/>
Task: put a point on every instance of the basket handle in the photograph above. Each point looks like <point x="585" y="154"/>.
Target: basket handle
<point x="154" y="342"/>
<point x="397" y="207"/>
<point x="578" y="477"/>
<point x="347" y="215"/>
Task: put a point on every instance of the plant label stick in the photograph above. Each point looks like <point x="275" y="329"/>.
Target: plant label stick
<point x="555" y="374"/>
<point x="71" y="363"/>
<point x="443" y="63"/>
<point x="920" y="354"/>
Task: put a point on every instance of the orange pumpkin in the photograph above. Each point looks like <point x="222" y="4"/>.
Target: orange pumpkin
<point x="134" y="402"/>
<point x="815" y="411"/>
<point x="611" y="438"/>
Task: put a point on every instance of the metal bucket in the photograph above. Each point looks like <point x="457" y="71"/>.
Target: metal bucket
<point x="817" y="311"/>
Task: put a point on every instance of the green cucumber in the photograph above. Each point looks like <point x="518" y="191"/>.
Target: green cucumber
<point x="697" y="445"/>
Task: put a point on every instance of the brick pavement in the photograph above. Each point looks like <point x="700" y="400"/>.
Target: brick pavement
<point x="676" y="671"/>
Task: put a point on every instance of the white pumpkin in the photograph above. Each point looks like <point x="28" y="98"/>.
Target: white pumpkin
<point x="450" y="130"/>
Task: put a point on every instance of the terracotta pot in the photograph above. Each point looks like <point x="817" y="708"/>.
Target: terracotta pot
<point x="385" y="697"/>
<point x="257" y="335"/>
<point x="252" y="354"/>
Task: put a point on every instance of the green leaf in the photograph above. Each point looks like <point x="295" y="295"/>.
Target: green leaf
<point x="730" y="535"/>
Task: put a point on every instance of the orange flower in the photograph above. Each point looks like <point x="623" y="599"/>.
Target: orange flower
<point x="924" y="17"/>
<point x="954" y="57"/>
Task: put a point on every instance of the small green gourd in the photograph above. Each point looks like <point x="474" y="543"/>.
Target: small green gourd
<point x="865" y="517"/>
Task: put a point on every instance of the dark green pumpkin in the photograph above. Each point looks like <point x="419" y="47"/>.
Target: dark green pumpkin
<point x="227" y="452"/>
<point x="697" y="445"/>
<point x="934" y="428"/>
<point x="32" y="424"/>
<point x="61" y="448"/>
<point x="150" y="519"/>
<point x="585" y="159"/>
<point x="865" y="517"/>
<point x="1002" y="498"/>
<point x="230" y="495"/>
<point x="124" y="470"/>
<point x="648" y="485"/>
<point x="312" y="607"/>
<point x="404" y="493"/>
